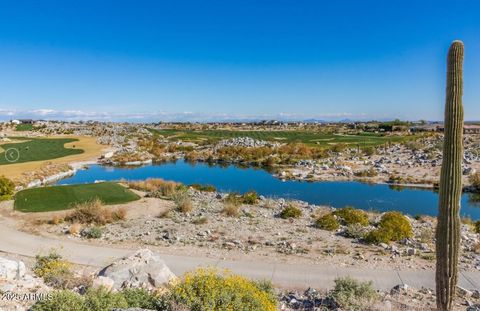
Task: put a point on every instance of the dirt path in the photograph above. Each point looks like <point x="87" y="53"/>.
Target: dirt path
<point x="283" y="275"/>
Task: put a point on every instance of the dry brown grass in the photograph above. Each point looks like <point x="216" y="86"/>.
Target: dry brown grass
<point x="75" y="228"/>
<point x="165" y="188"/>
<point x="184" y="203"/>
<point x="94" y="212"/>
<point x="231" y="210"/>
<point x="166" y="213"/>
<point x="476" y="248"/>
<point x="120" y="214"/>
<point x="57" y="219"/>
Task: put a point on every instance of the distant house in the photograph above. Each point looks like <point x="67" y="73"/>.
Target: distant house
<point x="426" y="128"/>
<point x="26" y="121"/>
<point x="16" y="122"/>
<point x="471" y="129"/>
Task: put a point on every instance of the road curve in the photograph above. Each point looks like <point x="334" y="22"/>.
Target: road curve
<point x="284" y="275"/>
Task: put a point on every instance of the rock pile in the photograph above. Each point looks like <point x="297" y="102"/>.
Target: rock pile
<point x="143" y="269"/>
<point x="246" y="142"/>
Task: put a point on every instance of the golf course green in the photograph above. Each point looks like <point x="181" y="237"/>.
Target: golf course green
<point x="36" y="149"/>
<point x="56" y="198"/>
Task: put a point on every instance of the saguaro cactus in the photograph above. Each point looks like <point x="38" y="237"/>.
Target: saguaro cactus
<point x="448" y="226"/>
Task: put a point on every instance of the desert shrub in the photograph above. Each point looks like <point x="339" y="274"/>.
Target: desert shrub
<point x="206" y="289"/>
<point x="183" y="202"/>
<point x="94" y="233"/>
<point x="476" y="226"/>
<point x="366" y="173"/>
<point x="119" y="214"/>
<point x="101" y="299"/>
<point x="250" y="198"/>
<point x="230" y="209"/>
<point x="339" y="147"/>
<point x="368" y="150"/>
<point x="355" y="231"/>
<point x="353" y="295"/>
<point x="233" y="198"/>
<point x="269" y="203"/>
<point x="75" y="228"/>
<point x="54" y="270"/>
<point x="157" y="187"/>
<point x="200" y="221"/>
<point x="290" y="211"/>
<point x="396" y="179"/>
<point x="350" y="216"/>
<point x="414" y="145"/>
<point x="56" y="219"/>
<point x="149" y="185"/>
<point x="475" y="181"/>
<point x="62" y="300"/>
<point x="90" y="212"/>
<point x="7" y="187"/>
<point x="139" y="298"/>
<point x="166" y="213"/>
<point x="206" y="188"/>
<point x="392" y="227"/>
<point x="327" y="222"/>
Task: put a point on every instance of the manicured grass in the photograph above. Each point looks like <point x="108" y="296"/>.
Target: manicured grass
<point x="37" y="149"/>
<point x="56" y="198"/>
<point x="23" y="127"/>
<point x="306" y="137"/>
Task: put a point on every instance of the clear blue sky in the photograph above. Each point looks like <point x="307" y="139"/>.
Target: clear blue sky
<point x="206" y="59"/>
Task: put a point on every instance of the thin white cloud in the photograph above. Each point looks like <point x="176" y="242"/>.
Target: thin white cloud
<point x="187" y="116"/>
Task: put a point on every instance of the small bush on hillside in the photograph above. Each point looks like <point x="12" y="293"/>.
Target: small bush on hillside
<point x="206" y="289"/>
<point x="353" y="295"/>
<point x="205" y="188"/>
<point x="56" y="219"/>
<point x="392" y="227"/>
<point x="339" y="147"/>
<point x="369" y="150"/>
<point x="7" y="187"/>
<point x="139" y="298"/>
<point x="90" y="212"/>
<point x="250" y="198"/>
<point x="103" y="300"/>
<point x="355" y="231"/>
<point x="233" y="198"/>
<point x="291" y="211"/>
<point x="119" y="214"/>
<point x="230" y="209"/>
<point x="63" y="300"/>
<point x="54" y="270"/>
<point x="477" y="226"/>
<point x="183" y="202"/>
<point x="475" y="181"/>
<point x="200" y="221"/>
<point x="75" y="228"/>
<point x="94" y="233"/>
<point x="157" y="187"/>
<point x="366" y="173"/>
<point x="350" y="216"/>
<point x="327" y="222"/>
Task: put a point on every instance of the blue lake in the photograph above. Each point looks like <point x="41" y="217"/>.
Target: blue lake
<point x="232" y="178"/>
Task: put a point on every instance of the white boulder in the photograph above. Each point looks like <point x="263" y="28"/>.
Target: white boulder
<point x="143" y="269"/>
<point x="11" y="269"/>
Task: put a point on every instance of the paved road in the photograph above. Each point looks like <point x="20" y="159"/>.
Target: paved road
<point x="286" y="275"/>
